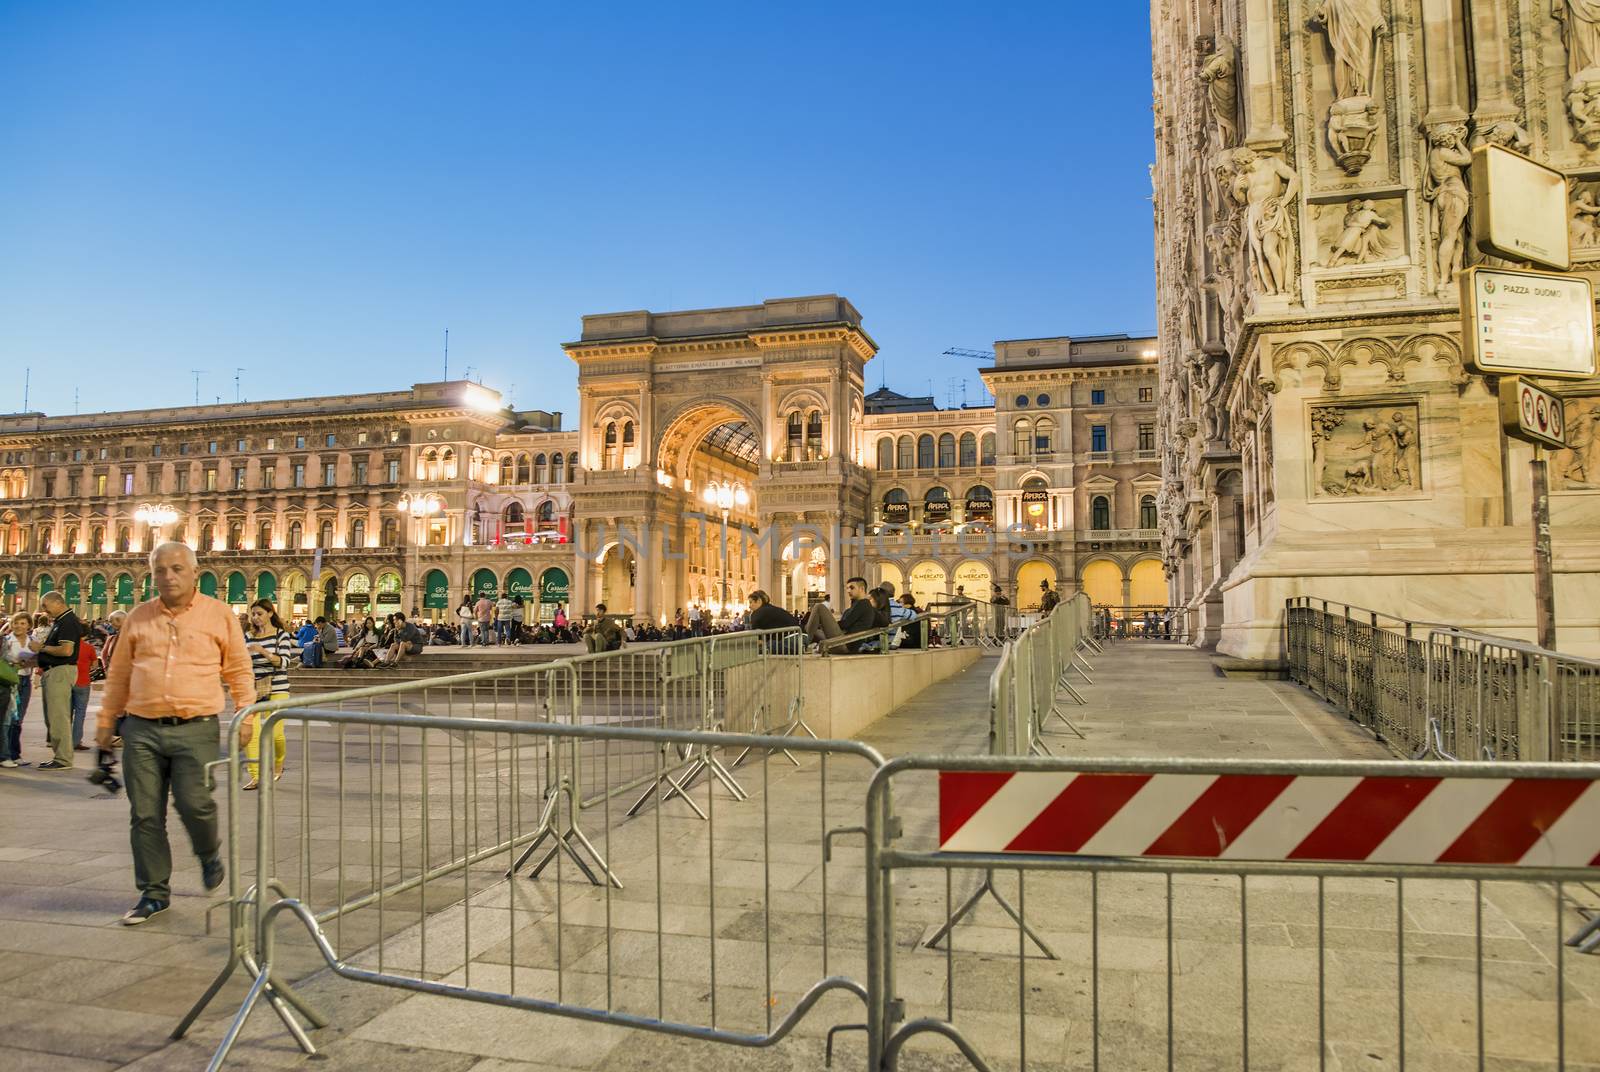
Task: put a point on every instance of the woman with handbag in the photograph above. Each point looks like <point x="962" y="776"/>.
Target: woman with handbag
<point x="272" y="650"/>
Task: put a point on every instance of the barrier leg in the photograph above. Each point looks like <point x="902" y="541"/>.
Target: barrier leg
<point x="987" y="887"/>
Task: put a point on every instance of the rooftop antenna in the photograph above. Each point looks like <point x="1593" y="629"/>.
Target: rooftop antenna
<point x="27" y="377"/>
<point x="197" y="372"/>
<point x="447" y="354"/>
<point x="512" y="401"/>
<point x="236" y="382"/>
<point x="74" y="401"/>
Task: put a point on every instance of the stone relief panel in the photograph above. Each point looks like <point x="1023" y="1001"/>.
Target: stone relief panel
<point x="1365" y="450"/>
<point x="1578" y="467"/>
<point x="1583" y="219"/>
<point x="1363" y="230"/>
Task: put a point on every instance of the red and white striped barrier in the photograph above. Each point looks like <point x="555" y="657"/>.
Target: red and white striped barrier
<point x="1532" y="822"/>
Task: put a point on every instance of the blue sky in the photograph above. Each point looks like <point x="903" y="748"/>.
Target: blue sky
<point x="315" y="192"/>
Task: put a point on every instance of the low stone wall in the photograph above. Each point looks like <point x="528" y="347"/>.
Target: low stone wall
<point x="844" y="694"/>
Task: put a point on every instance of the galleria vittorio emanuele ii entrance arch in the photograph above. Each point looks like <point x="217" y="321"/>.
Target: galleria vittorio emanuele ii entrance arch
<point x="752" y="414"/>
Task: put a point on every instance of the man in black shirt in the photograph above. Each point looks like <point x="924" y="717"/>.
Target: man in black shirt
<point x="58" y="665"/>
<point x="861" y="614"/>
<point x="763" y="615"/>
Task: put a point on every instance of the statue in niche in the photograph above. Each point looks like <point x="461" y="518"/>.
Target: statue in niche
<point x="1580" y="35"/>
<point x="1209" y="371"/>
<point x="1444" y="187"/>
<point x="1352" y="27"/>
<point x="1376" y="458"/>
<point x="1268" y="477"/>
<point x="1508" y="133"/>
<point x="1360" y="240"/>
<point x="1220" y="73"/>
<point x="1266" y="186"/>
<point x="1584" y="227"/>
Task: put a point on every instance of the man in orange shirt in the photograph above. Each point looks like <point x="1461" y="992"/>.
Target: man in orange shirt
<point x="166" y="676"/>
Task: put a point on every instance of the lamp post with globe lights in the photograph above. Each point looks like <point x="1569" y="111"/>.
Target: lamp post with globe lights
<point x="417" y="508"/>
<point x="724" y="496"/>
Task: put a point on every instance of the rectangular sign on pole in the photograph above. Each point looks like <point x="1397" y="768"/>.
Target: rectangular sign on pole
<point x="1519" y="208"/>
<point x="1529" y="323"/>
<point x="1532" y="413"/>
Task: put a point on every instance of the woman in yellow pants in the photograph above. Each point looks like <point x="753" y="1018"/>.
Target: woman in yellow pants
<point x="271" y="649"/>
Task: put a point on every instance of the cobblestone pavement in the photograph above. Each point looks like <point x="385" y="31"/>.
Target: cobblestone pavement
<point x="77" y="991"/>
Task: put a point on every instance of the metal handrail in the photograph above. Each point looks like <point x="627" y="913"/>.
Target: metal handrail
<point x="885" y="631"/>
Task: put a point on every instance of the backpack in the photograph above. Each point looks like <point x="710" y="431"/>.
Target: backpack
<point x="9" y="675"/>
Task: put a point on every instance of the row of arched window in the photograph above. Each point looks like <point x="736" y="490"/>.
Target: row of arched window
<point x="926" y="452"/>
<point x="13" y="484"/>
<point x="805" y="436"/>
<point x="14" y="538"/>
<point x="616" y="443"/>
<point x="1033" y="437"/>
<point x="557" y="468"/>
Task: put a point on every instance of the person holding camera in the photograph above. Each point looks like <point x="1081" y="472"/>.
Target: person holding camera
<point x="167" y="676"/>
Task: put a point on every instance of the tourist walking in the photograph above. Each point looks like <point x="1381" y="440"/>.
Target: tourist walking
<point x="167" y="677"/>
<point x="465" y="615"/>
<point x="58" y="669"/>
<point x="272" y="650"/>
<point x="16" y="649"/>
<point x="81" y="686"/>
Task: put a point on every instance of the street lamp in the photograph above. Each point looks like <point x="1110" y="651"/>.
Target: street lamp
<point x="156" y="518"/>
<point x="723" y="496"/>
<point x="417" y="507"/>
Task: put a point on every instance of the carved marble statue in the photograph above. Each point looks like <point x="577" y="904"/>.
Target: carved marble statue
<point x="1220" y="73"/>
<point x="1445" y="189"/>
<point x="1266" y="186"/>
<point x="1209" y="371"/>
<point x="1584" y="227"/>
<point x="1352" y="27"/>
<point x="1506" y="132"/>
<point x="1580" y="33"/>
<point x="1360" y="240"/>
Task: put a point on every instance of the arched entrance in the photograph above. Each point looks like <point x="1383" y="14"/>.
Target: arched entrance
<point x="1030" y="575"/>
<point x="292" y="599"/>
<point x="237" y="592"/>
<point x="72" y="590"/>
<point x="929" y="583"/>
<point x="888" y="571"/>
<point x="124" y="590"/>
<point x="1147" y="584"/>
<point x="485" y="583"/>
<point x="1102" y="581"/>
<point x="208" y="583"/>
<point x="519" y="586"/>
<point x="435" y="594"/>
<point x="98" y="593"/>
<point x="555" y="590"/>
<point x="358" y="593"/>
<point x="387" y="599"/>
<point x="332" y="606"/>
<point x="760" y="397"/>
<point x="975" y="578"/>
<point x="805" y="573"/>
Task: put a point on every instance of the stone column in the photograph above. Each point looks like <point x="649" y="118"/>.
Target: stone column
<point x="1263" y="94"/>
<point x="1491" y="60"/>
<point x="1441" y="57"/>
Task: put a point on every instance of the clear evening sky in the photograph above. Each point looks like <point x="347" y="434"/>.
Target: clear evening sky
<point x="315" y="192"/>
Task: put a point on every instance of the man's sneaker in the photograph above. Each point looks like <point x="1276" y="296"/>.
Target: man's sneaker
<point x="9" y="764"/>
<point x="142" y="911"/>
<point x="52" y="765"/>
<point x="212" y="872"/>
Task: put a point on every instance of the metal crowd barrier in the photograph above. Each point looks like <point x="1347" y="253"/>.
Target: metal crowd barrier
<point x="949" y="628"/>
<point x="707" y="687"/>
<point x="1429" y="689"/>
<point x="1143" y="621"/>
<point x="1209" y="916"/>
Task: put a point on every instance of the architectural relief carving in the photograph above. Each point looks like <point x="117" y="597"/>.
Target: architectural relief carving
<point x="1359" y="224"/>
<point x="1361" y="450"/>
<point x="1266" y="187"/>
<point x="1444" y="187"/>
<point x="1584" y="225"/>
<point x="1580" y="35"/>
<point x="1578" y="467"/>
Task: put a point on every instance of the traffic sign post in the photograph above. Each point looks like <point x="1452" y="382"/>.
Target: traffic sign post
<point x="1534" y="415"/>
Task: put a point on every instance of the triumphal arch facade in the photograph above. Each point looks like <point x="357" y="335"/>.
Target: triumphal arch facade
<point x="761" y="404"/>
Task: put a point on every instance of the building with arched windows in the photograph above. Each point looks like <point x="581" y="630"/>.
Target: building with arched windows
<point x="1056" y="480"/>
<point x="749" y="417"/>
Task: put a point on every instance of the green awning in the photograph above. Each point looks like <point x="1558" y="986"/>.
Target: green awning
<point x="267" y="586"/>
<point x="519" y="585"/>
<point x="124" y="589"/>
<point x="147" y="589"/>
<point x="46" y="584"/>
<point x="436" y="590"/>
<point x="8" y="586"/>
<point x="208" y="583"/>
<point x="236" y="588"/>
<point x="72" y="589"/>
<point x="554" y="586"/>
<point x="484" y="583"/>
<point x="97" y="590"/>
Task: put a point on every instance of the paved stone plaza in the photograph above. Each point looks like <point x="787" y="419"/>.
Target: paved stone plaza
<point x="81" y="992"/>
